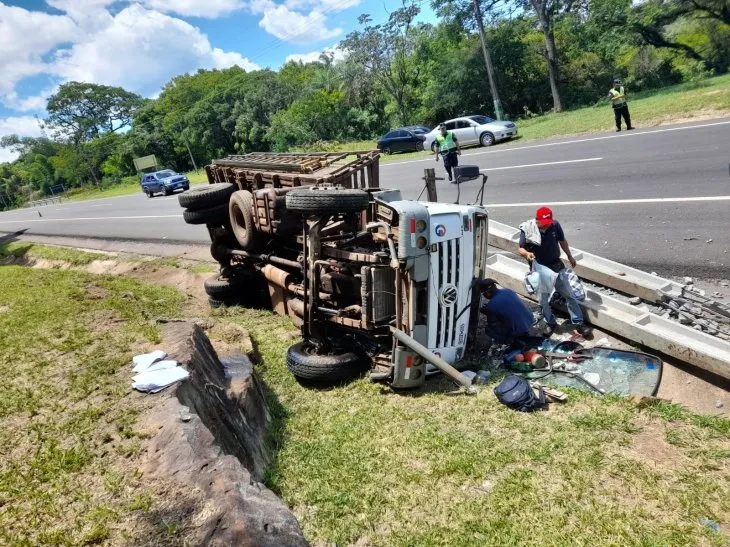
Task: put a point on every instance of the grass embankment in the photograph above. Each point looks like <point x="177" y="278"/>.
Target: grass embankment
<point x="68" y="443"/>
<point x="362" y="465"/>
<point x="74" y="257"/>
<point x="129" y="185"/>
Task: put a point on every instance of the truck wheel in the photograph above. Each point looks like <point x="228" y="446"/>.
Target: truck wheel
<point x="326" y="200"/>
<point x="206" y="196"/>
<point x="213" y="215"/>
<point x="240" y="209"/>
<point x="304" y="364"/>
<point x="221" y="288"/>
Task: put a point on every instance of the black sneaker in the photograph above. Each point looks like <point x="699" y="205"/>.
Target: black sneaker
<point x="629" y="128"/>
<point x="618" y="130"/>
<point x="584" y="331"/>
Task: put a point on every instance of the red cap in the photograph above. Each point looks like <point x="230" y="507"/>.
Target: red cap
<point x="544" y="216"/>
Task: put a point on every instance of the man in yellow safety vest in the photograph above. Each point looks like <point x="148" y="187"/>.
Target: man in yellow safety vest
<point x="447" y="146"/>
<point x="617" y="96"/>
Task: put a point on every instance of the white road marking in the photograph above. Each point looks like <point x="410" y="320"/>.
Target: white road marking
<point x="538" y="164"/>
<point x="609" y="201"/>
<point x="87" y="218"/>
<point x="574" y="141"/>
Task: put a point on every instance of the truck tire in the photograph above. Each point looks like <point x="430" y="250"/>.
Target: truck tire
<point x="326" y="201"/>
<point x="240" y="209"/>
<point x="305" y="365"/>
<point x="217" y="215"/>
<point x="221" y="288"/>
<point x="206" y="196"/>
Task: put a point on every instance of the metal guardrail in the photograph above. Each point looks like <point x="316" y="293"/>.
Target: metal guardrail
<point x="43" y="202"/>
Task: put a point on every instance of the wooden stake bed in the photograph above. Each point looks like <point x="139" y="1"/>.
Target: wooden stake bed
<point x="282" y="170"/>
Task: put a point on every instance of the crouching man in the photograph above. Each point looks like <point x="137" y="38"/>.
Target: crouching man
<point x="508" y="318"/>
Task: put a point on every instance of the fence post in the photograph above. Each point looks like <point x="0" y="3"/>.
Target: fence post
<point x="429" y="175"/>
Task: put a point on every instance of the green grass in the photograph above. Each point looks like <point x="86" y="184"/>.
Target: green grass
<point x="74" y="257"/>
<point x="69" y="444"/>
<point x="129" y="185"/>
<point x="361" y="464"/>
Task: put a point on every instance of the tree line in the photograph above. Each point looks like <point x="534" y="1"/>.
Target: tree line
<point x="548" y="55"/>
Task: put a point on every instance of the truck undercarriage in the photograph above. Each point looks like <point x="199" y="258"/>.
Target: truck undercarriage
<point x="373" y="281"/>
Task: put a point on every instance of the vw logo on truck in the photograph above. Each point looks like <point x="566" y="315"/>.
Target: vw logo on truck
<point x="449" y="295"/>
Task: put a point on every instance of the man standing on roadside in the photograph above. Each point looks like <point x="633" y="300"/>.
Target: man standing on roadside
<point x="617" y="96"/>
<point x="540" y="241"/>
<point x="448" y="147"/>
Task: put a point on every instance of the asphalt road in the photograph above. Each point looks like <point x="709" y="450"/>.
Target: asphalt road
<point x="650" y="198"/>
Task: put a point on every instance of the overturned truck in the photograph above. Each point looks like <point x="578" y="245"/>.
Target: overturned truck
<point x="374" y="281"/>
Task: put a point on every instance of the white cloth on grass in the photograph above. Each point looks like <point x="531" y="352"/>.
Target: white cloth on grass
<point x="143" y="362"/>
<point x="532" y="232"/>
<point x="161" y="365"/>
<point x="152" y="381"/>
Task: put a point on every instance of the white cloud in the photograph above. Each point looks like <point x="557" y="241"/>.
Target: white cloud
<point x="89" y="15"/>
<point x="292" y="26"/>
<point x="322" y="5"/>
<point x="137" y="48"/>
<point x="313" y="56"/>
<point x="196" y="8"/>
<point x="24" y="126"/>
<point x="24" y="37"/>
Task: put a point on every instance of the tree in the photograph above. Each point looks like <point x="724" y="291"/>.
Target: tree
<point x="81" y="112"/>
<point x="387" y="52"/>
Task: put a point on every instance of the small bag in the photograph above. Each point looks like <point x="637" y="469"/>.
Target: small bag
<point x="516" y="393"/>
<point x="576" y="287"/>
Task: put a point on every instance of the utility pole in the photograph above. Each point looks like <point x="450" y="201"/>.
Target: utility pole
<point x="498" y="111"/>
<point x="191" y="154"/>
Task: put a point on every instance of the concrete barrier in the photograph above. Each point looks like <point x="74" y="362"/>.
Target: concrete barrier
<point x="597" y="269"/>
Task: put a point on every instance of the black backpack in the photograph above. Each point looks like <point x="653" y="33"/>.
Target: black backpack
<point x="516" y="393"/>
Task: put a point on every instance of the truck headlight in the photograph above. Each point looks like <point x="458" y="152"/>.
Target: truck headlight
<point x="420" y="225"/>
<point x="421" y="242"/>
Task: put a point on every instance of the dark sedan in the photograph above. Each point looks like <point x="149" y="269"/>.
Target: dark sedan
<point x="405" y="139"/>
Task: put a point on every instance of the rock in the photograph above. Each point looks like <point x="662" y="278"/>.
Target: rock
<point x="654" y="273"/>
<point x="690" y="238"/>
<point x="724" y="284"/>
<point x="220" y="453"/>
<point x="719" y="404"/>
<point x="635" y="301"/>
<point x="688" y="280"/>
<point x="709" y="241"/>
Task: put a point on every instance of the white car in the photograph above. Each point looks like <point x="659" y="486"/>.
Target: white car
<point x="471" y="130"/>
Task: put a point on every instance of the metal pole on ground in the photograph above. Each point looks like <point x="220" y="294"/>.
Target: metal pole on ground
<point x="498" y="110"/>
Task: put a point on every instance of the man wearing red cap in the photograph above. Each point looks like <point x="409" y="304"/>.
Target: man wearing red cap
<point x="543" y="246"/>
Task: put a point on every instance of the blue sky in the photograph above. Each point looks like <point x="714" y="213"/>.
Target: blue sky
<point x="141" y="44"/>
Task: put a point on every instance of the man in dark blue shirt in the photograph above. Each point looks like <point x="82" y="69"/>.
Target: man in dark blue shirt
<point x="507" y="315"/>
<point x="547" y="253"/>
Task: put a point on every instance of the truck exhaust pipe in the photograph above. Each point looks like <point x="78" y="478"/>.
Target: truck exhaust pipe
<point x="434" y="359"/>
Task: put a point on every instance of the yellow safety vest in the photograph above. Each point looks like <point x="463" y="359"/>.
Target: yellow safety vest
<point x="446" y="142"/>
<point x="613" y="92"/>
